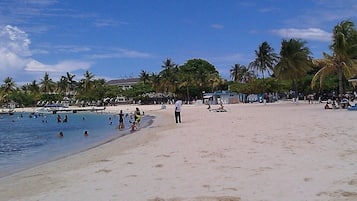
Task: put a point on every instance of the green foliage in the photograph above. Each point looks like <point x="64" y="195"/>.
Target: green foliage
<point x="343" y="61"/>
<point x="197" y="75"/>
<point x="259" y="86"/>
<point x="24" y="99"/>
<point x="111" y="91"/>
<point x="265" y="59"/>
<point x="240" y="73"/>
<point x="138" y="90"/>
<point x="51" y="97"/>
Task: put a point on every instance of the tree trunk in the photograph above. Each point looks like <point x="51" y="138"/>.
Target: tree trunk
<point x="340" y="83"/>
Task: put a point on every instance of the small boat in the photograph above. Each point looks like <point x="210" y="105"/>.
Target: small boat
<point x="44" y="110"/>
<point x="9" y="112"/>
<point x="50" y="109"/>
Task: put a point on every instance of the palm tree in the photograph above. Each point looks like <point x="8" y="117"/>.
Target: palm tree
<point x="245" y="75"/>
<point x="240" y="73"/>
<point x="144" y="76"/>
<point x="62" y="85"/>
<point x="215" y="81"/>
<point x="71" y="83"/>
<point x="265" y="59"/>
<point x="155" y="81"/>
<point x="295" y="61"/>
<point x="343" y="60"/>
<point x="168" y="64"/>
<point x="7" y="88"/>
<point x="169" y="76"/>
<point x="47" y="85"/>
<point x="34" y="88"/>
<point x="234" y="72"/>
<point x="9" y="85"/>
<point x="87" y="81"/>
<point x="186" y="80"/>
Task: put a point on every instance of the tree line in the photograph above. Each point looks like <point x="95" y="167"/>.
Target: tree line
<point x="293" y="68"/>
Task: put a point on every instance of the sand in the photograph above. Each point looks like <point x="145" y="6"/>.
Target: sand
<point x="252" y="152"/>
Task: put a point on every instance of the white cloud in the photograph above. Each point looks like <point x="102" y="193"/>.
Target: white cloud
<point x="72" y="48"/>
<point x="217" y="26"/>
<point x="14" y="40"/>
<point x="268" y="9"/>
<point x="121" y="53"/>
<point x="64" y="66"/>
<point x="16" y="59"/>
<point x="307" y="34"/>
<point x="14" y="50"/>
<point x="324" y="13"/>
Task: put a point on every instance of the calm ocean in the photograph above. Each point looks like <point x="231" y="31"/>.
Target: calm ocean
<point x="27" y="141"/>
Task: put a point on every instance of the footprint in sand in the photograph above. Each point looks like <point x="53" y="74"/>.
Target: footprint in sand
<point x="103" y="170"/>
<point x="353" y="182"/>
<point x="159" y="165"/>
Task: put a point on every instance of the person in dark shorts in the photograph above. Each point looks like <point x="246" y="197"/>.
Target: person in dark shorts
<point x="121" y="120"/>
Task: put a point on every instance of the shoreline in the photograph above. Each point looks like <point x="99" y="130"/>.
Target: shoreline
<point x="274" y="152"/>
<point x="114" y="110"/>
<point x="63" y="156"/>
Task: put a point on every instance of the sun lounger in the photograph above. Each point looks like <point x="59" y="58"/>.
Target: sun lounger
<point x="218" y="110"/>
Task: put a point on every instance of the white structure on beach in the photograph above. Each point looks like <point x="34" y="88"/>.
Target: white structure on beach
<point x="226" y="97"/>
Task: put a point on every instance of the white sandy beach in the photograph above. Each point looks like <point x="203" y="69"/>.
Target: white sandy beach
<point x="252" y="152"/>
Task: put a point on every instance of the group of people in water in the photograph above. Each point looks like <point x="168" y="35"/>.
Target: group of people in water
<point x="60" y="134"/>
<point x="134" y="120"/>
<point x="59" y="119"/>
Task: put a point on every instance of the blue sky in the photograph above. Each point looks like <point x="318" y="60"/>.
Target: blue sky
<point x="118" y="38"/>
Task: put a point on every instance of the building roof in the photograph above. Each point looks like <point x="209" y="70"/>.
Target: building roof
<point x="220" y="93"/>
<point x="123" y="81"/>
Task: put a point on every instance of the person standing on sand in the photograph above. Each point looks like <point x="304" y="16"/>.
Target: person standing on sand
<point x="178" y="105"/>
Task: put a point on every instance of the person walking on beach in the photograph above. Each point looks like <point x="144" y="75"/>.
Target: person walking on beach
<point x="178" y="105"/>
<point x="137" y="117"/>
<point x="121" y="120"/>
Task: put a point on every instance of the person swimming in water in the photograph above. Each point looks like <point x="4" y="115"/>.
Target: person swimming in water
<point x="60" y="134"/>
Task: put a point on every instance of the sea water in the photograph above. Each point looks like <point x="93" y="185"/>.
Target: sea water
<point x="27" y="140"/>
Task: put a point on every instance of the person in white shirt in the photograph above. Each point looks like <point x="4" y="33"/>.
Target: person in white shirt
<point x="178" y="105"/>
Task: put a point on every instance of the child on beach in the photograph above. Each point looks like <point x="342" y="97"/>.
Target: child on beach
<point x="137" y="118"/>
